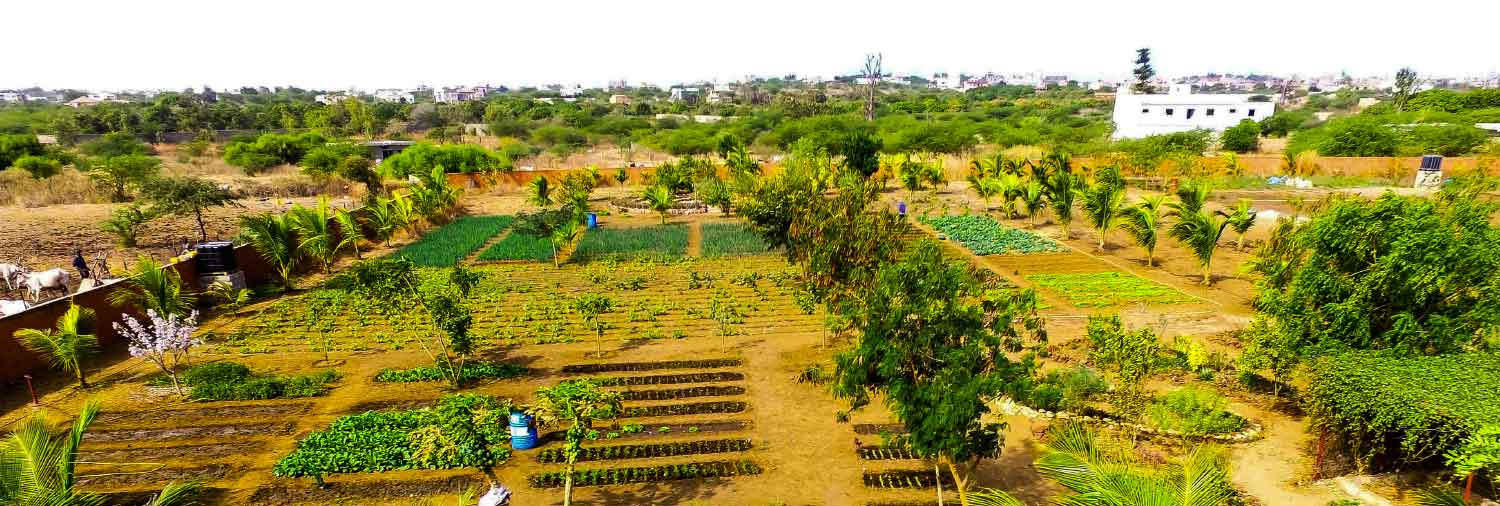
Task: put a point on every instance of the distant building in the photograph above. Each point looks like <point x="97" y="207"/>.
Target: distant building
<point x="686" y="95"/>
<point x="11" y="96"/>
<point x="394" y="95"/>
<point x="330" y="98"/>
<point x="571" y="91"/>
<point x="620" y="99"/>
<point x="93" y="100"/>
<point x="1181" y="110"/>
<point x="460" y="94"/>
<point x="380" y="150"/>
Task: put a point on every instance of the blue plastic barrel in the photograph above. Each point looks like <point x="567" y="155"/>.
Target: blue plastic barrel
<point x="522" y="432"/>
<point x="901" y="208"/>
<point x="593" y="220"/>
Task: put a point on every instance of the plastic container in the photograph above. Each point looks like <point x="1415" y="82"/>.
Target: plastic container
<point x="522" y="432"/>
<point x="593" y="220"/>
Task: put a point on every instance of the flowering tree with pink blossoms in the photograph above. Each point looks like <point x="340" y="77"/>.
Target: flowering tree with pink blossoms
<point x="165" y="343"/>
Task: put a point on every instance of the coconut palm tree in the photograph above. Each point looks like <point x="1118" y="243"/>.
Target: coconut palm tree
<point x="65" y="347"/>
<point x="152" y="286"/>
<point x="38" y="467"/>
<point x="350" y="231"/>
<point x="539" y="192"/>
<point x="1190" y="198"/>
<point x="1143" y="222"/>
<point x="986" y="187"/>
<point x="659" y="198"/>
<point x="1240" y="219"/>
<point x="1103" y="203"/>
<point x="316" y="237"/>
<point x="1098" y="474"/>
<point x="404" y="213"/>
<point x="1009" y="187"/>
<point x="1034" y="195"/>
<point x="382" y="219"/>
<point x="274" y="236"/>
<point x="1200" y="233"/>
<point x="1062" y="191"/>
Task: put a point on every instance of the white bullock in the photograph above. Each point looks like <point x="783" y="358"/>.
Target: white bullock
<point x="50" y="278"/>
<point x="9" y="272"/>
<point x="10" y="307"/>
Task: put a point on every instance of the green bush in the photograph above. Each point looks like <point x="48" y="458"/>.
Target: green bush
<point x="1241" y="138"/>
<point x="1068" y="390"/>
<point x="420" y="158"/>
<point x="472" y="372"/>
<point x="269" y="150"/>
<point x="15" y="146"/>
<point x="217" y="372"/>
<point x="1193" y="410"/>
<point x="463" y="430"/>
<point x="229" y="381"/>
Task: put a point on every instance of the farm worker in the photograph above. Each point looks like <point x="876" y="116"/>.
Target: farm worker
<point x="498" y="495"/>
<point x="81" y="264"/>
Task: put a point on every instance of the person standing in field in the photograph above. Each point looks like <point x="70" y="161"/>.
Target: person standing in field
<point x="81" y="264"/>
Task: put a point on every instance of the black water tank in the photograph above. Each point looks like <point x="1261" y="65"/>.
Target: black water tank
<point x="217" y="256"/>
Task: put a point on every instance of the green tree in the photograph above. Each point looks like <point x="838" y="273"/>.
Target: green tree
<point x="151" y="285"/>
<point x="539" y="192"/>
<point x="579" y="403"/>
<point x="1241" y="218"/>
<point x="1104" y="202"/>
<point x="38" y="466"/>
<point x="1062" y="191"/>
<point x="659" y="199"/>
<point x="1405" y="87"/>
<point x="40" y="167"/>
<point x="1144" y="73"/>
<point x="186" y="196"/>
<point x="1128" y="357"/>
<point x="590" y="306"/>
<point x="1241" y="138"/>
<point x="621" y="176"/>
<point x="126" y="222"/>
<point x="124" y="172"/>
<point x="317" y="236"/>
<point x="557" y="226"/>
<point x="67" y="346"/>
<point x="16" y="146"/>
<point x="715" y="192"/>
<point x="274" y="236"/>
<point x="1143" y="222"/>
<point x="1034" y="195"/>
<point x="1200" y="232"/>
<point x="935" y="353"/>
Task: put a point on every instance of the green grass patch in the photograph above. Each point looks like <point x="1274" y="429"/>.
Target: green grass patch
<point x="519" y="247"/>
<point x="1104" y="289"/>
<point x="448" y="245"/>
<point x="731" y="239"/>
<point x="643" y="243"/>
<point x="230" y="381"/>
<point x="472" y="372"/>
<point x="983" y="235"/>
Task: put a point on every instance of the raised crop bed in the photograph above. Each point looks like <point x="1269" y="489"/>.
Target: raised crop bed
<point x="905" y="479"/>
<point x="378" y="441"/>
<point x="636" y="431"/>
<point x="670" y="379"/>
<point x="446" y="246"/>
<point x="518" y="247"/>
<point x="208" y="431"/>
<point x="730" y="240"/>
<point x="682" y="393"/>
<point x="647" y="451"/>
<point x="627" y="475"/>
<point x="879" y="428"/>
<point x="695" y="408"/>
<point x="650" y="366"/>
<point x="658" y="242"/>
<point x="1104" y="289"/>
<point x="885" y="453"/>
<point x="472" y="372"/>
<point x="984" y="236"/>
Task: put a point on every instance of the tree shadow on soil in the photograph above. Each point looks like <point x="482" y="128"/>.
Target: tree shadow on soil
<point x="674" y="492"/>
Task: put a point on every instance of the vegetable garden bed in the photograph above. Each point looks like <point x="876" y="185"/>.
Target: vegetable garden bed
<point x="656" y="243"/>
<point x="647" y="451"/>
<point x="730" y="240"/>
<point x="388" y="440"/>
<point x="448" y="245"/>
<point x="906" y="479"/>
<point x="695" y="408"/>
<point x="518" y="247"/>
<point x="984" y="236"/>
<point x="206" y="431"/>
<point x="636" y="430"/>
<point x="681" y="393"/>
<point x="885" y="453"/>
<point x="627" y="475"/>
<point x="670" y="379"/>
<point x="879" y="428"/>
<point x="1104" y="289"/>
<point x="472" y="372"/>
<point x="650" y="366"/>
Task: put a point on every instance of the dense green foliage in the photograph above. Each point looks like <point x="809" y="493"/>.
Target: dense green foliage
<point x="448" y="245"/>
<point x="731" y="239"/>
<point x="656" y="242"/>
<point x="1394" y="411"/>
<point x="983" y="235"/>
<point x="1068" y="390"/>
<point x="421" y="158"/>
<point x="462" y="430"/>
<point x="269" y="150"/>
<point x="15" y="146"/>
<point x="518" y="246"/>
<point x="471" y="373"/>
<point x="229" y="381"/>
<point x="1195" y="411"/>
<point x="1241" y="138"/>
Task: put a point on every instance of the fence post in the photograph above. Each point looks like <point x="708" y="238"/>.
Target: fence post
<point x="1318" y="464"/>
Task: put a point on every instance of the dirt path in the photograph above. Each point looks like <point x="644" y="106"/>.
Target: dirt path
<point x="695" y="239"/>
<point x="474" y="257"/>
<point x="1270" y="468"/>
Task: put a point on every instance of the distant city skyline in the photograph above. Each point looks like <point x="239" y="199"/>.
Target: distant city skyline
<point x="176" y="44"/>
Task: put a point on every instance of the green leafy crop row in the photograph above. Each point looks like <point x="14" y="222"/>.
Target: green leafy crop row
<point x="453" y="242"/>
<point x="985" y="236"/>
<point x="1101" y="289"/>
<point x="658" y="242"/>
<point x="229" y="381"/>
<point x="731" y="239"/>
<point x="472" y="372"/>
<point x="463" y="430"/>
<point x="519" y="247"/>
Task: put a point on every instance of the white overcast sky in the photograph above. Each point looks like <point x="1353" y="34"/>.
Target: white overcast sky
<point x="335" y="44"/>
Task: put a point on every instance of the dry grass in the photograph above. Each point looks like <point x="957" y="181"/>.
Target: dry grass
<point x="18" y="189"/>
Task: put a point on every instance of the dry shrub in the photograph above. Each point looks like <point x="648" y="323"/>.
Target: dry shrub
<point x="17" y="188"/>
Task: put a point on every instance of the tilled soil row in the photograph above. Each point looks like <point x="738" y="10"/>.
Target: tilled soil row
<point x="247" y="429"/>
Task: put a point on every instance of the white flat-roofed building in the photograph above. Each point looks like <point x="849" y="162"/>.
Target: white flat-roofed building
<point x="1181" y="110"/>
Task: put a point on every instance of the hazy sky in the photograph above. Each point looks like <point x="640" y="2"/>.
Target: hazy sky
<point x="173" y="44"/>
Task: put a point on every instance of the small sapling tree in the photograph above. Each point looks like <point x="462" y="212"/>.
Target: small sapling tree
<point x="165" y="343"/>
<point x="578" y="403"/>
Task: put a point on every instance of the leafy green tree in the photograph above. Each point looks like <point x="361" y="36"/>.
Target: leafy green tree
<point x="590" y="306"/>
<point x="539" y="192"/>
<point x="1241" y="138"/>
<point x="38" y="466"/>
<point x="116" y="144"/>
<point x="274" y="236"/>
<point x="186" y="196"/>
<point x="124" y="172"/>
<point x="1144" y="73"/>
<point x="153" y="286"/>
<point x="126" y="222"/>
<point x="1241" y="218"/>
<point x="935" y="353"/>
<point x="861" y="153"/>
<point x="66" y="347"/>
<point x="40" y="167"/>
<point x="579" y="403"/>
<point x="715" y="192"/>
<point x="557" y="226"/>
<point x="1143" y="222"/>
<point x="1268" y="349"/>
<point x="1062" y="191"/>
<point x="1283" y="123"/>
<point x="1480" y="453"/>
<point x="1353" y="136"/>
<point x="660" y="200"/>
<point x="1200" y="232"/>
<point x="1405" y="87"/>
<point x="13" y="147"/>
<point x="1104" y="202"/>
<point x="1128" y="357"/>
<point x="621" y="176"/>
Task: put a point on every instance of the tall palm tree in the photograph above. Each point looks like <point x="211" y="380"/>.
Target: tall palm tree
<point x="152" y="286"/>
<point x="1101" y="475"/>
<point x="539" y="192"/>
<point x="1010" y="188"/>
<point x="1240" y="219"/>
<point x="1190" y="198"/>
<point x="382" y="218"/>
<point x="65" y="347"/>
<point x="659" y="198"/>
<point x="1200" y="233"/>
<point x="1103" y="203"/>
<point x="38" y="467"/>
<point x="350" y="231"/>
<point x="1034" y="195"/>
<point x="1143" y="222"/>
<point x="1062" y="191"/>
<point x="315" y="235"/>
<point x="274" y="236"/>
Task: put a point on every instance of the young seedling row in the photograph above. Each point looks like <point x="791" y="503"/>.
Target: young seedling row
<point x="681" y="393"/>
<point x="646" y="451"/>
<point x="622" y="476"/>
<point x="650" y="366"/>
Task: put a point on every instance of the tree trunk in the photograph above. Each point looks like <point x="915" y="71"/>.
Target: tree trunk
<point x="82" y="383"/>
<point x="202" y="230"/>
<point x="938" y="475"/>
<point x="1207" y="275"/>
<point x="959" y="483"/>
<point x="568" y="487"/>
<point x="1469" y="487"/>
